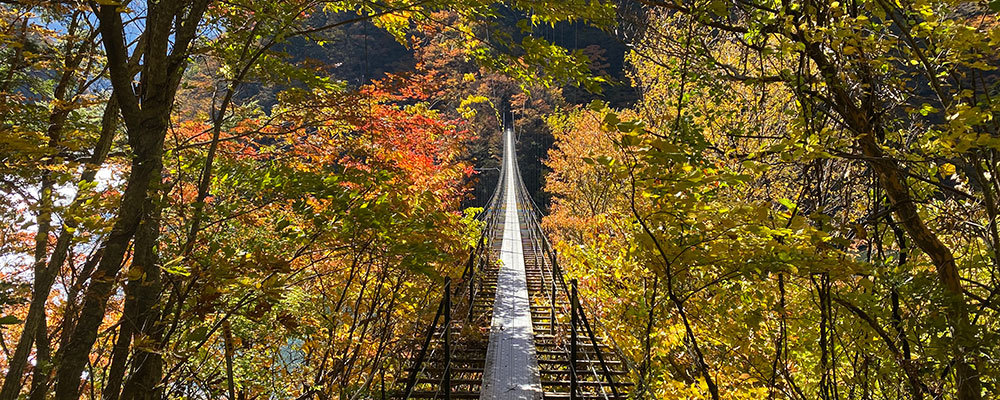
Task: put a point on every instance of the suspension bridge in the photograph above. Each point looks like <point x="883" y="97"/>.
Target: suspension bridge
<point x="512" y="327"/>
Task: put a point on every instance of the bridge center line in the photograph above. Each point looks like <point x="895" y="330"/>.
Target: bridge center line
<point x="511" y="362"/>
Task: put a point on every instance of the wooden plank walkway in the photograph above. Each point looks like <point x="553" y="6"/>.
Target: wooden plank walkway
<point x="511" y="363"/>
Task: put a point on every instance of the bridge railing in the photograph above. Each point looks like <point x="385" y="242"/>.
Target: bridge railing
<point x="445" y="304"/>
<point x="578" y="315"/>
<point x="471" y="283"/>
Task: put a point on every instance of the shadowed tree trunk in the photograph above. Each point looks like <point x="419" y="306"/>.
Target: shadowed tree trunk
<point x="164" y="58"/>
<point x="46" y="272"/>
<point x="147" y="364"/>
<point x="893" y="181"/>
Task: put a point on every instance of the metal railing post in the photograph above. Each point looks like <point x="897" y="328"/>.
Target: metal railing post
<point x="472" y="276"/>
<point x="572" y="345"/>
<point x="597" y="349"/>
<point x="411" y="382"/>
<point x="552" y="310"/>
<point x="447" y="338"/>
<point x="552" y="316"/>
<point x="469" y="271"/>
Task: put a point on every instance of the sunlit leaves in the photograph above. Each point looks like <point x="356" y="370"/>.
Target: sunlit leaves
<point x="746" y="171"/>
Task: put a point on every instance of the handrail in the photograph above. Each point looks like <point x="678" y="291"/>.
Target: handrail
<point x="545" y="255"/>
<point x="534" y="225"/>
<point x="593" y="339"/>
<point x="573" y="385"/>
<point x="411" y="382"/>
<point x="445" y="307"/>
<point x="447" y="338"/>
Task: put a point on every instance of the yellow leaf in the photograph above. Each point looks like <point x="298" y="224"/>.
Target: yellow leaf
<point x="947" y="169"/>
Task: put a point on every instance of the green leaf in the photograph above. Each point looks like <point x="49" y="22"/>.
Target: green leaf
<point x="611" y="119"/>
<point x="631" y="140"/>
<point x="787" y="203"/>
<point x="754" y="318"/>
<point x="630" y="126"/>
<point x="524" y="26"/>
<point x="719" y="8"/>
<point x="9" y="320"/>
<point x="198" y="334"/>
<point x="176" y="267"/>
<point x="926" y="109"/>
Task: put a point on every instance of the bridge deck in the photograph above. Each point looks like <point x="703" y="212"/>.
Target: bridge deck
<point x="511" y="364"/>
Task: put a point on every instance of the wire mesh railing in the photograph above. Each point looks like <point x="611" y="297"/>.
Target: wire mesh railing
<point x="579" y="323"/>
<point x="458" y="298"/>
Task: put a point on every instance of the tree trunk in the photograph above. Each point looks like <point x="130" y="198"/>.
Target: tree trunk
<point x="893" y="181"/>
<point x="120" y="351"/>
<point x="44" y="276"/>
<point x="966" y="377"/>
<point x="147" y="365"/>
<point x="76" y="353"/>
<point x="169" y="29"/>
<point x="43" y="363"/>
<point x="39" y="295"/>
